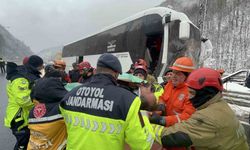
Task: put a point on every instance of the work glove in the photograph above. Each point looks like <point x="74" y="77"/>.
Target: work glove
<point x="157" y="119"/>
<point x="160" y="109"/>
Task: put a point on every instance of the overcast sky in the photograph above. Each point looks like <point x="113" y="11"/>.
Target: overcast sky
<point x="43" y="24"/>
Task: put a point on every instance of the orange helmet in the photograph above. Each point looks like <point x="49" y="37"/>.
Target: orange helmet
<point x="84" y="65"/>
<point x="59" y="64"/>
<point x="184" y="64"/>
<point x="141" y="62"/>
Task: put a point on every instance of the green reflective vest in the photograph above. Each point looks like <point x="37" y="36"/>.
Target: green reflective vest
<point x="92" y="132"/>
<point x="19" y="102"/>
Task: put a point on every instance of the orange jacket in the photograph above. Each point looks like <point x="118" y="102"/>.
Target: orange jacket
<point x="178" y="106"/>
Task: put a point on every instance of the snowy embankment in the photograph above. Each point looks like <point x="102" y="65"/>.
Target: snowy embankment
<point x="238" y="98"/>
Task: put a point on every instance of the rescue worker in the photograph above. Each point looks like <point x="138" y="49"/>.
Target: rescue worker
<point x="147" y="88"/>
<point x="175" y="96"/>
<point x="45" y="115"/>
<point x="61" y="65"/>
<point x="174" y="102"/>
<point x="21" y="80"/>
<point x="167" y="77"/>
<point x="74" y="74"/>
<point x="86" y="72"/>
<point x="101" y="115"/>
<point x="150" y="78"/>
<point x="214" y="125"/>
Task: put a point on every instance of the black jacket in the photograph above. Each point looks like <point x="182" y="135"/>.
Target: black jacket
<point x="74" y="75"/>
<point x="119" y="98"/>
<point x="49" y="90"/>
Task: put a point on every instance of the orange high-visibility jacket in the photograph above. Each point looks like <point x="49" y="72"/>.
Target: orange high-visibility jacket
<point x="178" y="106"/>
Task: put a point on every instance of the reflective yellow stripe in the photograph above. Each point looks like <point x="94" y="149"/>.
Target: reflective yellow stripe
<point x="182" y="66"/>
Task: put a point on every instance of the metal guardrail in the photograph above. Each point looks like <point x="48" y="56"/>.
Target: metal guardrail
<point x="238" y="98"/>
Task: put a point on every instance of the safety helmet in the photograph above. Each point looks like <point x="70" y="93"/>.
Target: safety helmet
<point x="184" y="64"/>
<point x="141" y="69"/>
<point x="84" y="65"/>
<point x="204" y="77"/>
<point x="59" y="64"/>
<point x="141" y="62"/>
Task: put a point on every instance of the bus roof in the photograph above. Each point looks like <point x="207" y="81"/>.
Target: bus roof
<point x="162" y="11"/>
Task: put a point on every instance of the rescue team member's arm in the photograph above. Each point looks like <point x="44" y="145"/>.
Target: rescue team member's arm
<point x="188" y="110"/>
<point x="197" y="131"/>
<point x="138" y="131"/>
<point x="20" y="88"/>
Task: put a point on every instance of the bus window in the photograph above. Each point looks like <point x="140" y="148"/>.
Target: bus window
<point x="178" y="48"/>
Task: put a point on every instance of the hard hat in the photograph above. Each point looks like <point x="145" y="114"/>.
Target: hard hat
<point x="204" y="77"/>
<point x="84" y="65"/>
<point x="59" y="64"/>
<point x="141" y="62"/>
<point x="184" y="64"/>
<point x="141" y="69"/>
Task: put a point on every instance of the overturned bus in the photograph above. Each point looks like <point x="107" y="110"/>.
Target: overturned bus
<point x="159" y="35"/>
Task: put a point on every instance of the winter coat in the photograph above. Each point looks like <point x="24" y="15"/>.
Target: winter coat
<point x="213" y="126"/>
<point x="21" y="80"/>
<point x="178" y="106"/>
<point x="46" y="115"/>
<point x="101" y="115"/>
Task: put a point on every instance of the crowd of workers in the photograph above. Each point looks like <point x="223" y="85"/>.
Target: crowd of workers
<point x="186" y="111"/>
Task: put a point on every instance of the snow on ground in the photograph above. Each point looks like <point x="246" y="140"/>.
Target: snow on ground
<point x="240" y="111"/>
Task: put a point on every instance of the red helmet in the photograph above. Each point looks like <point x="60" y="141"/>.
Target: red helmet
<point x="204" y="77"/>
<point x="141" y="62"/>
<point x="84" y="65"/>
<point x="140" y="67"/>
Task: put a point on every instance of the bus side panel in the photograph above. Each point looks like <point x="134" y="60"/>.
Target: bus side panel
<point x="136" y="39"/>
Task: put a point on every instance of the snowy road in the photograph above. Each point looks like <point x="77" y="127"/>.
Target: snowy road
<point x="7" y="140"/>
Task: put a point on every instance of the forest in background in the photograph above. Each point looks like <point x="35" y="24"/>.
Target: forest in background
<point x="226" y="24"/>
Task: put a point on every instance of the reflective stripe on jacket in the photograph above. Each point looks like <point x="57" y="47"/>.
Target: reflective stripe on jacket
<point x="213" y="126"/>
<point x="178" y="106"/>
<point x="42" y="118"/>
<point x="19" y="103"/>
<point x="100" y="115"/>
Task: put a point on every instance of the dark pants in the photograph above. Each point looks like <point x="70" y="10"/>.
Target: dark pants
<point x="22" y="138"/>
